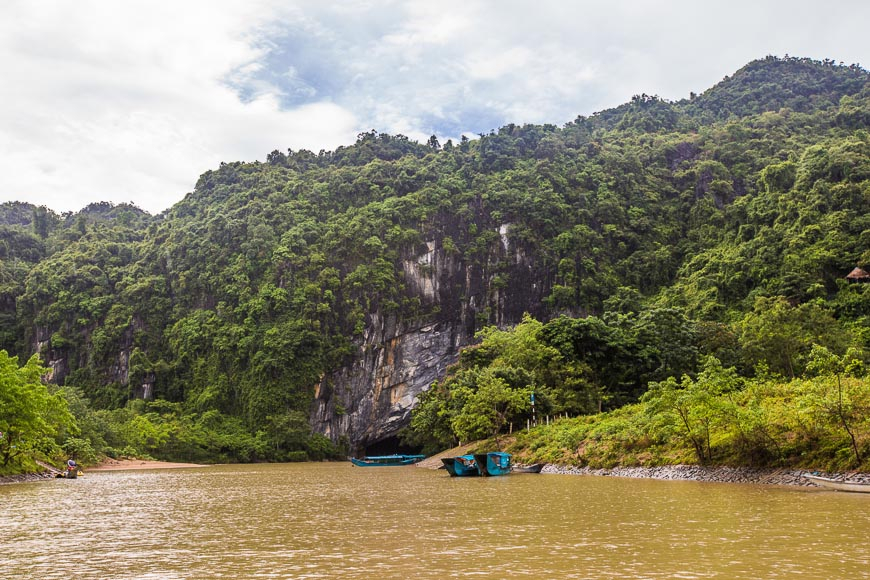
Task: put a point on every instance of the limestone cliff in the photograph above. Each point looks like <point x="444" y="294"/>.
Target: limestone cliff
<point x="371" y="399"/>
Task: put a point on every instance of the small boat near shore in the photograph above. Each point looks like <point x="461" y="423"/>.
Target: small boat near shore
<point x="460" y="466"/>
<point x="839" y="485"/>
<point x="493" y="463"/>
<point x="387" y="460"/>
<point x="72" y="470"/>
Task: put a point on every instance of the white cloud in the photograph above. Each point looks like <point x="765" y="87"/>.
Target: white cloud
<point x="131" y="101"/>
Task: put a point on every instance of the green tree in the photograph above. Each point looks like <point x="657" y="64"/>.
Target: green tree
<point x="431" y="420"/>
<point x="842" y="404"/>
<point x="781" y="335"/>
<point x="487" y="410"/>
<point x="30" y="416"/>
<point x="690" y="409"/>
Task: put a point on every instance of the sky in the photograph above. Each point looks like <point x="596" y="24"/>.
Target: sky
<point x="130" y="102"/>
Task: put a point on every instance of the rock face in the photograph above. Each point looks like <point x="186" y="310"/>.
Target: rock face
<point x="371" y="399"/>
<point x="60" y="364"/>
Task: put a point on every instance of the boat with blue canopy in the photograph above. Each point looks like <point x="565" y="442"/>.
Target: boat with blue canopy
<point x="387" y="460"/>
<point x="460" y="466"/>
<point x="493" y="463"/>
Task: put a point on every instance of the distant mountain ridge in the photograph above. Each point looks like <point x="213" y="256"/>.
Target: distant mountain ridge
<point x="339" y="285"/>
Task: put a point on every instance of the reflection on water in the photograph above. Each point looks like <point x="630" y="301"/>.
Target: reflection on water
<point x="333" y="520"/>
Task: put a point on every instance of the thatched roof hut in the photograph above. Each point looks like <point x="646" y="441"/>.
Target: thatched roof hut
<point x="858" y="275"/>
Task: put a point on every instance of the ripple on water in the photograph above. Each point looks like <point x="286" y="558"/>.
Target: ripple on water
<point x="327" y="520"/>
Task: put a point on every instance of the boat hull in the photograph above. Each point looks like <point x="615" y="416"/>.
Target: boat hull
<point x="449" y="465"/>
<point x="534" y="468"/>
<point x="387" y="460"/>
<point x="493" y="464"/>
<point x="853" y="486"/>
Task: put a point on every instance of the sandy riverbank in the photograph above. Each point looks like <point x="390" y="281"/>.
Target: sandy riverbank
<point x="108" y="465"/>
<point x="133" y="464"/>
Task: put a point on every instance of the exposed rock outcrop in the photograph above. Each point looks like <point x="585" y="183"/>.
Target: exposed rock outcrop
<point x="371" y="399"/>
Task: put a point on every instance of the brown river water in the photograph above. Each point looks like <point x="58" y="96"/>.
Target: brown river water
<point x="333" y="520"/>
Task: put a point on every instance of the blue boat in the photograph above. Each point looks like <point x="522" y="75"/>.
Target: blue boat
<point x="494" y="463"/>
<point x="387" y="460"/>
<point x="460" y="466"/>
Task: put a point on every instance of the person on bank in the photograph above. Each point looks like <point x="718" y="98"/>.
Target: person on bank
<point x="72" y="469"/>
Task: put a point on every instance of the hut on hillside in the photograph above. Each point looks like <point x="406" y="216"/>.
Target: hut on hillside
<point x="858" y="275"/>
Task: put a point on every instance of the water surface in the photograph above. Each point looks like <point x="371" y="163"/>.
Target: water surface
<point x="328" y="520"/>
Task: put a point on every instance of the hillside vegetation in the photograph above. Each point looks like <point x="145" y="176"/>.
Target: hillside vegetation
<point x="669" y="244"/>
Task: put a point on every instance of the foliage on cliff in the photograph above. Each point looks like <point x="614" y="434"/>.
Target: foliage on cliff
<point x="664" y="231"/>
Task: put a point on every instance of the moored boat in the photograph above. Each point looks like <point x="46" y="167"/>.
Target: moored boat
<point x="839" y="485"/>
<point x="387" y="460"/>
<point x="493" y="463"/>
<point x="533" y="468"/>
<point x="460" y="466"/>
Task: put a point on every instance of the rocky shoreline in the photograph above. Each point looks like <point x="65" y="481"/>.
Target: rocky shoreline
<point x="26" y="477"/>
<point x="759" y="476"/>
<point x="793" y="477"/>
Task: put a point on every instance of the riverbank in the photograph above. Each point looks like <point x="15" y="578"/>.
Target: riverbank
<point x="137" y="464"/>
<point x="720" y="474"/>
<point x="758" y="476"/>
<point x="26" y="477"/>
<point x="107" y="465"/>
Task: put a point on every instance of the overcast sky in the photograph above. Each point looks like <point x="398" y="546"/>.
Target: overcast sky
<point x="131" y="101"/>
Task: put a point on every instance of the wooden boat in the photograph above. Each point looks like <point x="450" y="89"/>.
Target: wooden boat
<point x="855" y="486"/>
<point x="533" y="468"/>
<point x="387" y="460"/>
<point x="460" y="466"/>
<point x="493" y="463"/>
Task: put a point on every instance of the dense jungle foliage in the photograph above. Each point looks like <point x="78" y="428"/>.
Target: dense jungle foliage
<point x="683" y="244"/>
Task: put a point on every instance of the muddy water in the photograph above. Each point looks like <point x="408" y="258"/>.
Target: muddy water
<point x="338" y="521"/>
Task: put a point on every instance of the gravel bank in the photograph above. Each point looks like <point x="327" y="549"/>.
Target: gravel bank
<point x="765" y="476"/>
<point x="712" y="474"/>
<point x="25" y="477"/>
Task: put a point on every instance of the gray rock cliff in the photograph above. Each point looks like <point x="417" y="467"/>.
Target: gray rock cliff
<point x="371" y="399"/>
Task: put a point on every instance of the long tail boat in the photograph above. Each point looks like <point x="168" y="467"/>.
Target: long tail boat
<point x="493" y="463"/>
<point x="460" y="466"/>
<point x="533" y="468"/>
<point x="839" y="485"/>
<point x="387" y="460"/>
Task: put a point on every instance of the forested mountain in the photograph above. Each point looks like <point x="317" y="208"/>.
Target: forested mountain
<point x="328" y="290"/>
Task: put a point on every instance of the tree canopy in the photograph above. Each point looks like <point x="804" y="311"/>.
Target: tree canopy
<point x="639" y="240"/>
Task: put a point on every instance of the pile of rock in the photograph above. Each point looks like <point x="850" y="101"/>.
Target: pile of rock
<point x="700" y="473"/>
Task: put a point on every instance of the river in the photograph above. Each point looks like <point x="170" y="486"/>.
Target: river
<point x="333" y="520"/>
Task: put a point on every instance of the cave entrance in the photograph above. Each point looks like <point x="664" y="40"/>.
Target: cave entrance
<point x="391" y="446"/>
